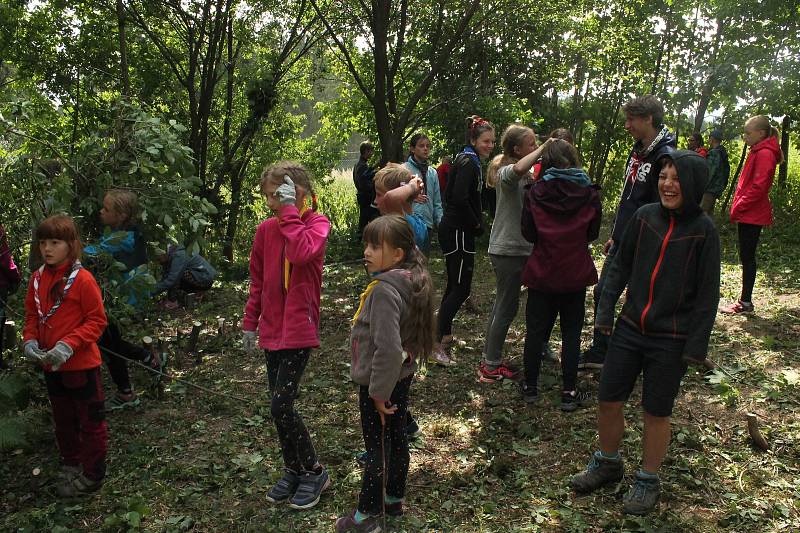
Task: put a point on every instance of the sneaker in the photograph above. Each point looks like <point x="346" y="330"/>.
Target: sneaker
<point x="393" y="509"/>
<point x="78" y="485"/>
<point x="642" y="496"/>
<point x="284" y="488"/>
<point x="591" y="359"/>
<point x="440" y="357"/>
<point x="69" y="472"/>
<point x="599" y="472"/>
<point x="549" y="355"/>
<point x="738" y="308"/>
<point x="487" y="374"/>
<point x="412" y="430"/>
<point x="361" y="459"/>
<point x="347" y="523"/>
<point x="309" y="489"/>
<point x="529" y="393"/>
<point x="571" y="400"/>
<point x="122" y="401"/>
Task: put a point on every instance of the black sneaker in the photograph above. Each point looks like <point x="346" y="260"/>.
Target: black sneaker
<point x="571" y="400"/>
<point x="642" y="496"/>
<point x="284" y="488"/>
<point x="529" y="393"/>
<point x="591" y="359"/>
<point x="309" y="489"/>
<point x="599" y="472"/>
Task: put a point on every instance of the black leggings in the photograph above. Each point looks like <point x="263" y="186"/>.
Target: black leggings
<point x="458" y="248"/>
<point x="748" y="244"/>
<point x="284" y="372"/>
<point x="393" y="449"/>
<point x="111" y="341"/>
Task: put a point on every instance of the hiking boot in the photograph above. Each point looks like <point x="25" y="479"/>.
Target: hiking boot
<point x="488" y="374"/>
<point x="122" y="401"/>
<point x="642" y="496"/>
<point x="285" y="487"/>
<point x="393" y="509"/>
<point x="78" y="485"/>
<point x="440" y="357"/>
<point x="529" y="393"/>
<point x="599" y="472"/>
<point x="738" y="308"/>
<point x="548" y="354"/>
<point x="591" y="359"/>
<point x="347" y="523"/>
<point x="571" y="400"/>
<point x="69" y="472"/>
<point x="309" y="489"/>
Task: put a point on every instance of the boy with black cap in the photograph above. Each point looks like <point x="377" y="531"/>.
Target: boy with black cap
<point x="719" y="170"/>
<point x="669" y="259"/>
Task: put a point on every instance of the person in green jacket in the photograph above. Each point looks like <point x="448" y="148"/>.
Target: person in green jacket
<point x="719" y="169"/>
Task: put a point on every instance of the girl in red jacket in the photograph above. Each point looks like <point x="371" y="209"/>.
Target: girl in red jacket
<point x="282" y="318"/>
<point x="751" y="209"/>
<point x="64" y="317"/>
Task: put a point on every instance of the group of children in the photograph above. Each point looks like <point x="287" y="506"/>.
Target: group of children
<point x="663" y="248"/>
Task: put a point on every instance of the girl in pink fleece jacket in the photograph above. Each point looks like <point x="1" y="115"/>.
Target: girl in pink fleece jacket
<point x="282" y="318"/>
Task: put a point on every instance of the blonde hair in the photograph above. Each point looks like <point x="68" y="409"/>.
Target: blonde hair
<point x="512" y="137"/>
<point x="124" y="202"/>
<point x="392" y="176"/>
<point x="297" y="173"/>
<point x="762" y="123"/>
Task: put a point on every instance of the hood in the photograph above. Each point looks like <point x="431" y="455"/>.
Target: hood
<point x="771" y="144"/>
<point x="400" y="279"/>
<point x="693" y="174"/>
<point x="664" y="143"/>
<point x="562" y="196"/>
<point x="575" y="175"/>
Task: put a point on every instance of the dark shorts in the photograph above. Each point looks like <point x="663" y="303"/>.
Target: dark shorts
<point x="659" y="361"/>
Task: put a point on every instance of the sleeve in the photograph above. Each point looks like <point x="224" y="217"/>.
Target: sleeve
<point x="31" y="329"/>
<point x="528" y="223"/>
<point x="436" y="197"/>
<point x="508" y="176"/>
<point x="94" y="313"/>
<point x="252" y="309"/>
<point x="760" y="181"/>
<point x="114" y="242"/>
<point x="704" y="312"/>
<point x="619" y="272"/>
<point x="384" y="328"/>
<point x="177" y="265"/>
<point x="465" y="180"/>
<point x="594" y="226"/>
<point x="305" y="242"/>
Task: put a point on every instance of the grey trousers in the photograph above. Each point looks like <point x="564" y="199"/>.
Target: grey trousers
<point x="508" y="271"/>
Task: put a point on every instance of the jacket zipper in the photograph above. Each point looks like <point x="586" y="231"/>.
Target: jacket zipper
<point x="655" y="272"/>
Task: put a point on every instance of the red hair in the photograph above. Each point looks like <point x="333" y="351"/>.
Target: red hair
<point x="63" y="228"/>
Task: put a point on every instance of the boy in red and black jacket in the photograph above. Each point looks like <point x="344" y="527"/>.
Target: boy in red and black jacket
<point x="669" y="259"/>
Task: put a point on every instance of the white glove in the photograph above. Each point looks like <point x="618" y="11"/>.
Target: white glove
<point x="59" y="354"/>
<point x="250" y="342"/>
<point x="286" y="193"/>
<point x="33" y="353"/>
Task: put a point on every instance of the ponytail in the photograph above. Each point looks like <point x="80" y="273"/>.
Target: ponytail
<point x="421" y="304"/>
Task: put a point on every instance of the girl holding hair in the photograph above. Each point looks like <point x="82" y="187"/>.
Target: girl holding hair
<point x="64" y="317"/>
<point x="461" y="223"/>
<point x="751" y="209"/>
<point x="561" y="216"/>
<point x="427" y="206"/>
<point x="509" y="173"/>
<point x="282" y="318"/>
<point x="392" y="329"/>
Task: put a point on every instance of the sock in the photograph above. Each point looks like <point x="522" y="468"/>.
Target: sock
<point x="647" y="476"/>
<point x="359" y="517"/>
<point x="392" y="499"/>
<point x="613" y="456"/>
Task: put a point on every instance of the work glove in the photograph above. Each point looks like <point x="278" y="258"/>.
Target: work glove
<point x="33" y="353"/>
<point x="250" y="342"/>
<point x="59" y="354"/>
<point x="286" y="193"/>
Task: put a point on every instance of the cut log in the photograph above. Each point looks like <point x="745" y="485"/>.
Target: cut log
<point x="221" y="326"/>
<point x="755" y="434"/>
<point x="9" y="334"/>
<point x="194" y="336"/>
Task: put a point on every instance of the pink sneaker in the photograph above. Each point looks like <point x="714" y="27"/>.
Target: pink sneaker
<point x="440" y="357"/>
<point x="493" y="375"/>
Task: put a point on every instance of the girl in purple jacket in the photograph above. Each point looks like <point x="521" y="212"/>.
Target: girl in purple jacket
<point x="282" y="318"/>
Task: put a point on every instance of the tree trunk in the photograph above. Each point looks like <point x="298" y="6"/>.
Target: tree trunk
<point x="732" y="186"/>
<point x="123" y="51"/>
<point x="784" y="168"/>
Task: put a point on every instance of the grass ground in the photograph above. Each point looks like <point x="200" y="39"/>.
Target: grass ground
<point x="199" y="462"/>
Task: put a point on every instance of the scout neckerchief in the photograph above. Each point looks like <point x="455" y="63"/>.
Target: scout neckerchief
<point x="76" y="267"/>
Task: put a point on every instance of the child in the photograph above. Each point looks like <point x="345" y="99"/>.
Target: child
<point x="509" y="173"/>
<point x="365" y="192"/>
<point x="695" y="143"/>
<point x="719" y="170"/>
<point x="395" y="190"/>
<point x="190" y="273"/>
<point x="751" y="209"/>
<point x="669" y="260"/>
<point x="427" y="206"/>
<point x="442" y="171"/>
<point x="561" y="217"/>
<point x="119" y="212"/>
<point x="392" y="329"/>
<point x="64" y="317"/>
<point x="461" y="223"/>
<point x="9" y="281"/>
<point x="282" y="318"/>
